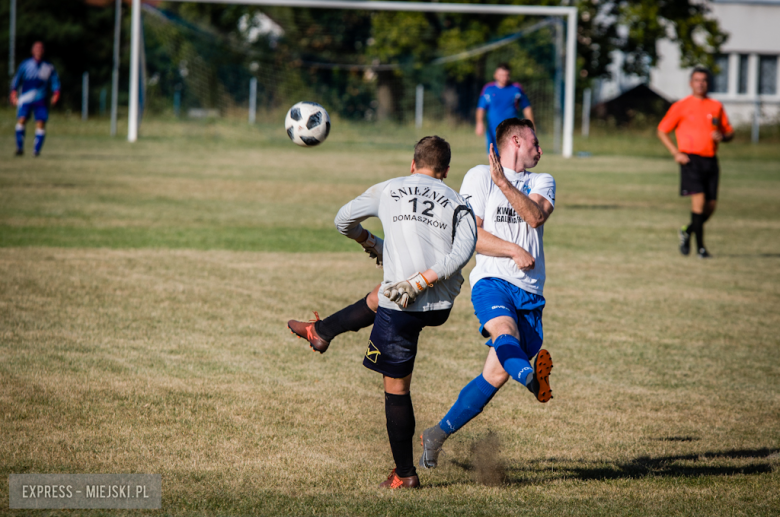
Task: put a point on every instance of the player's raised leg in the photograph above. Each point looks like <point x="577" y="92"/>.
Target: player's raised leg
<point x="319" y="333"/>
<point x="471" y="401"/>
<point x="512" y="318"/>
<point x="476" y="395"/>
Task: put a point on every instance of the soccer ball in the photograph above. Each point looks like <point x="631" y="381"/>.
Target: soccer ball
<point x="307" y="124"/>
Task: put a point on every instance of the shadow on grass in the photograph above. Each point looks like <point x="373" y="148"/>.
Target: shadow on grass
<point x="684" y="465"/>
<point x="678" y="439"/>
<point x="752" y="255"/>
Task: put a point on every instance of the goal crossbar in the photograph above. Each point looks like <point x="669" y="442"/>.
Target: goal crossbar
<point x="567" y="12"/>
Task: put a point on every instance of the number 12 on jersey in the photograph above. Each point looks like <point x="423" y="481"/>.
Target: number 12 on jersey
<point x="427" y="212"/>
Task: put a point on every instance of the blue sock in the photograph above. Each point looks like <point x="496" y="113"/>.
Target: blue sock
<point x="19" y="137"/>
<point x="40" y="135"/>
<point x="472" y="399"/>
<point x="513" y="358"/>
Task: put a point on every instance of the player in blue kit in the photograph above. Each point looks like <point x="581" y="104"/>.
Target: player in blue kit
<point x="35" y="78"/>
<point x="501" y="100"/>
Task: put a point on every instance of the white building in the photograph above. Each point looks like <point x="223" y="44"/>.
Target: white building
<point x="749" y="71"/>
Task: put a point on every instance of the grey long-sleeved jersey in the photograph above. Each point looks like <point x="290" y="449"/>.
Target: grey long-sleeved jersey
<point x="427" y="225"/>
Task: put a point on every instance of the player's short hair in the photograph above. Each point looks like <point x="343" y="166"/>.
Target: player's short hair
<point x="503" y="66"/>
<point x="701" y="70"/>
<point x="432" y="152"/>
<point x="509" y="127"/>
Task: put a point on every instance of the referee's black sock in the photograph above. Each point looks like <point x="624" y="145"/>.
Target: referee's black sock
<point x="400" y="431"/>
<point x="697" y="227"/>
<point x="355" y="317"/>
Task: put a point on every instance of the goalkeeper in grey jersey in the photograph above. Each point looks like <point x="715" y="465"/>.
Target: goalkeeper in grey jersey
<point x="430" y="234"/>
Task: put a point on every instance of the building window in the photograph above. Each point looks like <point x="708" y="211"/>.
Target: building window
<point x="767" y="75"/>
<point x="742" y="87"/>
<point x="720" y="76"/>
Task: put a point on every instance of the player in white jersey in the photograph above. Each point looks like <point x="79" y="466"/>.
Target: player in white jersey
<point x="430" y="234"/>
<point x="511" y="205"/>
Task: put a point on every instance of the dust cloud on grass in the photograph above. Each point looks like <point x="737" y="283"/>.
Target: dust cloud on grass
<point x="489" y="468"/>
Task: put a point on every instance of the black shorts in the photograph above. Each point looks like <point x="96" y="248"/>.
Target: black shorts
<point x="701" y="174"/>
<point x="393" y="343"/>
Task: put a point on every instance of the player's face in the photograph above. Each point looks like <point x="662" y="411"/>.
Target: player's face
<point x="37" y="51"/>
<point x="530" y="151"/>
<point x="699" y="83"/>
<point x="502" y="77"/>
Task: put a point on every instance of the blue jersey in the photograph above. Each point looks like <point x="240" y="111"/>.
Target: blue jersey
<point x="35" y="79"/>
<point x="502" y="103"/>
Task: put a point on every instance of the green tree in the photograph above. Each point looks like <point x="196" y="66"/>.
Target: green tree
<point x="634" y="26"/>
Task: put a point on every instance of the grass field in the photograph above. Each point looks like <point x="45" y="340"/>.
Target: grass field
<point x="144" y="291"/>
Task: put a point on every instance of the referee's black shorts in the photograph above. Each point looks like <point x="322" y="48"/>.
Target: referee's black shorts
<point x="392" y="347"/>
<point x="701" y="174"/>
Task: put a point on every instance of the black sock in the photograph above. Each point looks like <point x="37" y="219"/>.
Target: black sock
<point x="697" y="227"/>
<point x="400" y="430"/>
<point x="355" y="317"/>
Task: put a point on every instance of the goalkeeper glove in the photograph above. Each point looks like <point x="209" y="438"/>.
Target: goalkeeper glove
<point x="373" y="245"/>
<point x="406" y="291"/>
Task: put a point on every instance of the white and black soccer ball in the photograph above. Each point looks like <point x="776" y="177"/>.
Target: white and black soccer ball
<point x="307" y="124"/>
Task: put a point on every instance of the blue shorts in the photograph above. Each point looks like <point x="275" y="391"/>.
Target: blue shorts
<point x="38" y="109"/>
<point x="392" y="347"/>
<point x="493" y="297"/>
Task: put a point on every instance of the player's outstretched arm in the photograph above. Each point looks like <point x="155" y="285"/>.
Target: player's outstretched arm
<point x="353" y="213"/>
<point x="534" y="210"/>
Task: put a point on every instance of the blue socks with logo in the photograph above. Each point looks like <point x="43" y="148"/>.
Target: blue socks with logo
<point x="40" y="135"/>
<point x="19" y="137"/>
<point x="513" y="358"/>
<point x="475" y="395"/>
<point x="472" y="399"/>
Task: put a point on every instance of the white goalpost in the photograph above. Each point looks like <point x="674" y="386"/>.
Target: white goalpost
<point x="569" y="13"/>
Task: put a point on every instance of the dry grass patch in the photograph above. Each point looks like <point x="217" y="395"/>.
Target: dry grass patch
<point x="179" y="363"/>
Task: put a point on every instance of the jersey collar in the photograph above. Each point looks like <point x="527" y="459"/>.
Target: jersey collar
<point x="419" y="175"/>
<point x="512" y="175"/>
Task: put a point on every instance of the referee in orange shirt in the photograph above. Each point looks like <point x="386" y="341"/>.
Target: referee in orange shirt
<point x="700" y="124"/>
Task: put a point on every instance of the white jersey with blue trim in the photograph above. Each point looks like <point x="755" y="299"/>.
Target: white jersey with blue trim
<point x="36" y="79"/>
<point x="427" y="225"/>
<point x="501" y="220"/>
